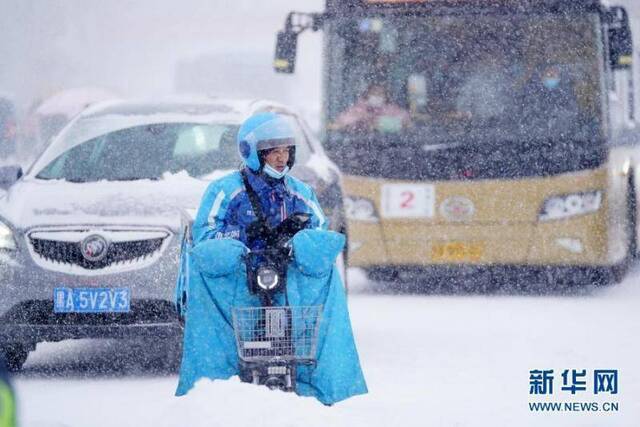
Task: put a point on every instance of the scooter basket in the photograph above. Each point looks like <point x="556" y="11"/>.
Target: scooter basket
<point x="286" y="333"/>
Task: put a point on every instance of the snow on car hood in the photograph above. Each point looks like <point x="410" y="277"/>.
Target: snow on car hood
<point x="33" y="202"/>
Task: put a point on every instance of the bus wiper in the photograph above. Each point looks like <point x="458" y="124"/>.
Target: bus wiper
<point x="436" y="147"/>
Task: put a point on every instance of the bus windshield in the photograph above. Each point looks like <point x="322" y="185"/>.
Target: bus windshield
<point x="466" y="79"/>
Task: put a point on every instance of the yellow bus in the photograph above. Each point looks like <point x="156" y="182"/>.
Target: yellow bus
<point x="480" y="135"/>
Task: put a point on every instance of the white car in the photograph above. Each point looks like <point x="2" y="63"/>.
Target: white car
<point x="90" y="235"/>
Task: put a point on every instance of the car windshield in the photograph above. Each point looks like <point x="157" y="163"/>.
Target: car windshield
<point x="148" y="152"/>
<point x="467" y="79"/>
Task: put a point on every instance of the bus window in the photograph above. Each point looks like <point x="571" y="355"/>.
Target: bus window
<point x="472" y="78"/>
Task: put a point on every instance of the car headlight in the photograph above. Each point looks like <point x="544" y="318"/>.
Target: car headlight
<point x="360" y="209"/>
<point x="568" y="205"/>
<point x="6" y="238"/>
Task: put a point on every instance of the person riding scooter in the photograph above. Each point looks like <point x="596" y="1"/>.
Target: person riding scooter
<point x="242" y="218"/>
<point x="267" y="145"/>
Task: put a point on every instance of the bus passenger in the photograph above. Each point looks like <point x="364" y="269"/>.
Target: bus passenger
<point x="372" y="112"/>
<point x="549" y="100"/>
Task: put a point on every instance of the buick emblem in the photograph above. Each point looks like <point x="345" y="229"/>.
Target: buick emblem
<point x="94" y="248"/>
<point x="457" y="209"/>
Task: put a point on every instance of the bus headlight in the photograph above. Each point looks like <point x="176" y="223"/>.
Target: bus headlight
<point x="359" y="209"/>
<point x="568" y="205"/>
<point x="6" y="238"/>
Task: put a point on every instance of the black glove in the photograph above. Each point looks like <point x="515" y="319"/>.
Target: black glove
<point x="258" y="230"/>
<point x="289" y="227"/>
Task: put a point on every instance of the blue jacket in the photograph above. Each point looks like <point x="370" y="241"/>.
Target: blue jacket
<point x="226" y="212"/>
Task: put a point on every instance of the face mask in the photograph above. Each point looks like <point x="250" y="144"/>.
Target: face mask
<point x="375" y="101"/>
<point x="273" y="173"/>
<point x="551" y="82"/>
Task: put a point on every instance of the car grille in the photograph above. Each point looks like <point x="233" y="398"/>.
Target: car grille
<point x="128" y="249"/>
<point x="69" y="252"/>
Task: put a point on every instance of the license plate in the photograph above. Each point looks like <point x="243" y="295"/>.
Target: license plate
<point x="457" y="251"/>
<point x="91" y="300"/>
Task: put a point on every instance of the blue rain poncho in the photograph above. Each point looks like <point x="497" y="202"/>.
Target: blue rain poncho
<point x="217" y="283"/>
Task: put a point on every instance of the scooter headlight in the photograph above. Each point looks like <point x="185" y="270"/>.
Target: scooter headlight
<point x="6" y="238"/>
<point x="268" y="278"/>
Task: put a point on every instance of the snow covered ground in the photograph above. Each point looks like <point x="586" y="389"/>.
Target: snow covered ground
<point x="429" y="360"/>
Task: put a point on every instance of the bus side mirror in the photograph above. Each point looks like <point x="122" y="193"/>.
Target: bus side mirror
<point x="620" y="40"/>
<point x="286" y="49"/>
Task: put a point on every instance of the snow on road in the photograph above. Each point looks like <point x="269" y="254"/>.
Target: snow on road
<point x="429" y="360"/>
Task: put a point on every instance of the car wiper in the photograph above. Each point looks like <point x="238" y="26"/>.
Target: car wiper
<point x="134" y="178"/>
<point x="49" y="178"/>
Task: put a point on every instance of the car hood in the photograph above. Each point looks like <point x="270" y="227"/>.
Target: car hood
<point x="33" y="202"/>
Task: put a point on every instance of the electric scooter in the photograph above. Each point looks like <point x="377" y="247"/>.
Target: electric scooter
<point x="274" y="338"/>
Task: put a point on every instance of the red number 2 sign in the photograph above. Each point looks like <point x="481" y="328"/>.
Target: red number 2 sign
<point x="407" y="199"/>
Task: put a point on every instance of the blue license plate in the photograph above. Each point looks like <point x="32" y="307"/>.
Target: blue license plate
<point x="91" y="300"/>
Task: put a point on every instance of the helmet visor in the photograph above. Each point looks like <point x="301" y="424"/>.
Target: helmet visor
<point x="268" y="144"/>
